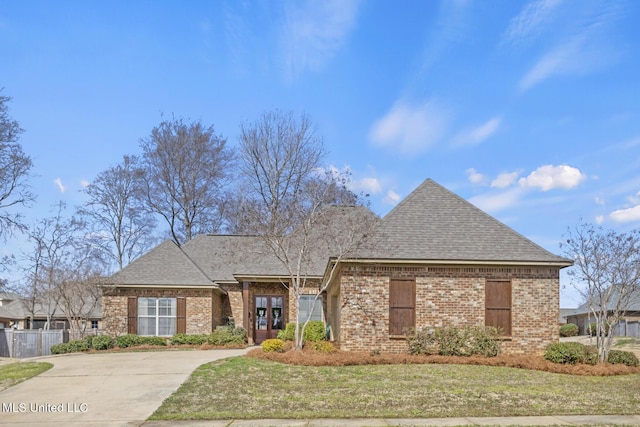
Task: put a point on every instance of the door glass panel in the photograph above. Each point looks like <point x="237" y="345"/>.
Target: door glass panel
<point x="261" y="313"/>
<point x="276" y="312"/>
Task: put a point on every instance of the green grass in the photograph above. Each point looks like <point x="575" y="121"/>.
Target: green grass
<point x="247" y="388"/>
<point x="15" y="373"/>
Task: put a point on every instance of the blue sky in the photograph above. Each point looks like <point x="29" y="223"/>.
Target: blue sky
<point x="530" y="110"/>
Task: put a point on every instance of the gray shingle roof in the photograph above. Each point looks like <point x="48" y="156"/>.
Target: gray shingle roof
<point x="633" y="303"/>
<point x="432" y="223"/>
<point x="166" y="264"/>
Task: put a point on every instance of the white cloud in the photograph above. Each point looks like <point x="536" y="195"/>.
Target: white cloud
<point x="410" y="128"/>
<point x="479" y="134"/>
<point x="626" y="215"/>
<point x="392" y="198"/>
<point x="599" y="201"/>
<point x="314" y="31"/>
<point x="84" y="183"/>
<point x="505" y="179"/>
<point x="366" y="185"/>
<point x="548" y="177"/>
<point x="475" y="177"/>
<point x="599" y="219"/>
<point x="564" y="59"/>
<point x="531" y="20"/>
<point x="58" y="183"/>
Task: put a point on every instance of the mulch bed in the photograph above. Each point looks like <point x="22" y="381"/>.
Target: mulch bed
<point x="308" y="357"/>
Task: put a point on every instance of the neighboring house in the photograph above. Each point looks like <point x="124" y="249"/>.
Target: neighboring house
<point x="434" y="260"/>
<point x="582" y="316"/>
<point x="564" y="312"/>
<point x="18" y="312"/>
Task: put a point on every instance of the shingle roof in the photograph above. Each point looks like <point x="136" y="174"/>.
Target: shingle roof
<point x="633" y="303"/>
<point x="166" y="264"/>
<point x="222" y="257"/>
<point x="432" y="223"/>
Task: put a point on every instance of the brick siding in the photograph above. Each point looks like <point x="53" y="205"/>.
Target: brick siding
<point x="445" y="296"/>
<point x="205" y="308"/>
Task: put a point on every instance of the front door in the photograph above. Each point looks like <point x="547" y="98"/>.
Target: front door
<point x="269" y="313"/>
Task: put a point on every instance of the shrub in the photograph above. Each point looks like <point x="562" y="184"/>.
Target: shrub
<point x="592" y="329"/>
<point x="102" y="342"/>
<point x="89" y="340"/>
<point x="72" y="346"/>
<point x="62" y="348"/>
<point x="195" y="339"/>
<point x="423" y="342"/>
<point x="153" y="341"/>
<point x="569" y="330"/>
<point x="453" y="341"/>
<point x="570" y="353"/>
<point x="226" y="335"/>
<point x="315" y="331"/>
<point x="273" y="345"/>
<point x="623" y="357"/>
<point x="323" y="347"/>
<point x="129" y="340"/>
<point x="132" y="340"/>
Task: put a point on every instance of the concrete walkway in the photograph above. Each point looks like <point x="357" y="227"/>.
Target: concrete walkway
<point x="629" y="420"/>
<point x="106" y="389"/>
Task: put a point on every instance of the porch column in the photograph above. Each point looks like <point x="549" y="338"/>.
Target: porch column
<point x="245" y="311"/>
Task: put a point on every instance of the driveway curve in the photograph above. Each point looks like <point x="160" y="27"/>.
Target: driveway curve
<point x="105" y="389"/>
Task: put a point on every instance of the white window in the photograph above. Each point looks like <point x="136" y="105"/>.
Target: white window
<point x="305" y="306"/>
<point x="157" y="316"/>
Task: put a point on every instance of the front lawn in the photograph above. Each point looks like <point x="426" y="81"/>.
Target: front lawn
<point x="14" y="373"/>
<point x="250" y="388"/>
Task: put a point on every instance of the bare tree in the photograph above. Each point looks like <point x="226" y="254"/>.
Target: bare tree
<point x="15" y="166"/>
<point x="54" y="242"/>
<point x="79" y="290"/>
<point x="186" y="168"/>
<point x="279" y="154"/>
<point x="291" y="199"/>
<point x="606" y="272"/>
<point x="120" y="224"/>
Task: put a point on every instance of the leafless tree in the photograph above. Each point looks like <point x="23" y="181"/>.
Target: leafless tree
<point x="54" y="242"/>
<point x="606" y="272"/>
<point x="120" y="224"/>
<point x="290" y="201"/>
<point x="79" y="290"/>
<point x="186" y="167"/>
<point x="15" y="166"/>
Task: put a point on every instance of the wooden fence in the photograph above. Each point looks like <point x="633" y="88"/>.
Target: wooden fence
<point x="21" y="343"/>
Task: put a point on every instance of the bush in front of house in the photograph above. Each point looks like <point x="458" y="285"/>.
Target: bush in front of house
<point x="569" y="330"/>
<point x="323" y="347"/>
<point x="193" y="339"/>
<point x="623" y="357"/>
<point x="456" y="341"/>
<point x="101" y="342"/>
<point x="228" y="335"/>
<point x="132" y="340"/>
<point x="271" y="345"/>
<point x="570" y="353"/>
<point x="72" y="346"/>
<point x="315" y="331"/>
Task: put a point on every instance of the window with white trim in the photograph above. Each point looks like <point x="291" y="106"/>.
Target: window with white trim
<point x="157" y="316"/>
<point x="306" y="305"/>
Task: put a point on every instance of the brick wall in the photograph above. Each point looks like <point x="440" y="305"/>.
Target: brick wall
<point x="446" y="296"/>
<point x="205" y="308"/>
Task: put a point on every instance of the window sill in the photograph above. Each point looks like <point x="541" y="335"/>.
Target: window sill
<point x="397" y="337"/>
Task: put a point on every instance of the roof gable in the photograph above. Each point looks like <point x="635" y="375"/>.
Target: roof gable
<point x="166" y="264"/>
<point x="432" y="223"/>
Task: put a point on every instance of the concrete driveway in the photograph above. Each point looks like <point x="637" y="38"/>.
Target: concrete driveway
<point x="107" y="389"/>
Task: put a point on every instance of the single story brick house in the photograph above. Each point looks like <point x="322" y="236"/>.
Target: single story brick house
<point x="434" y="260"/>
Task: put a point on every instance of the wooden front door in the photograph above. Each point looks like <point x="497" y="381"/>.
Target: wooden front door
<point x="269" y="312"/>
